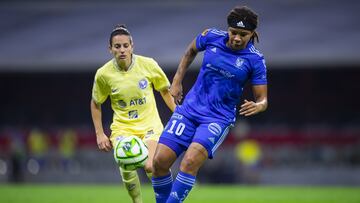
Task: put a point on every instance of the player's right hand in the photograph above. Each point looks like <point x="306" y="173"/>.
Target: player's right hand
<point x="103" y="142"/>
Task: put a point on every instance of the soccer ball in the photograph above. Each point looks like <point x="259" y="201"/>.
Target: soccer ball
<point x="131" y="153"/>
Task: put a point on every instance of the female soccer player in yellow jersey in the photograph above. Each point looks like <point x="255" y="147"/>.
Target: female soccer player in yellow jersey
<point x="128" y="80"/>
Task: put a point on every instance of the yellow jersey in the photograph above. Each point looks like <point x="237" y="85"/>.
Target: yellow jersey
<point x="131" y="95"/>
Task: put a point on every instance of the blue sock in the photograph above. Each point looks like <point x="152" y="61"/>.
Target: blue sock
<point x="181" y="187"/>
<point x="162" y="187"/>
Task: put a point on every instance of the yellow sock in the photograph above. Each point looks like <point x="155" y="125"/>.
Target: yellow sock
<point x="132" y="184"/>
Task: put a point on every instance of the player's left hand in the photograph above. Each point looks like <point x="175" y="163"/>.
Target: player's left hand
<point x="177" y="92"/>
<point x="249" y="108"/>
<point x="103" y="142"/>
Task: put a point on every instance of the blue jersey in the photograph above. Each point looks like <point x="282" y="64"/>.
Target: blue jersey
<point x="221" y="79"/>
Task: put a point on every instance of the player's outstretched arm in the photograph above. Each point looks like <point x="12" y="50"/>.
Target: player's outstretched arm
<point x="102" y="140"/>
<point x="186" y="60"/>
<point x="249" y="108"/>
<point x="168" y="99"/>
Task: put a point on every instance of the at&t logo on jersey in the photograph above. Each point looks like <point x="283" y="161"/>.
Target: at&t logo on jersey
<point x="143" y="83"/>
<point x="139" y="101"/>
<point x="132" y="102"/>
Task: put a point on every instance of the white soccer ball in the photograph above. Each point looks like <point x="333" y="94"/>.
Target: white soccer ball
<point x="131" y="153"/>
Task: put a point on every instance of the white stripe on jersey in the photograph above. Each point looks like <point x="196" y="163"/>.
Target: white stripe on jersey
<point x="255" y="51"/>
<point x="218" y="32"/>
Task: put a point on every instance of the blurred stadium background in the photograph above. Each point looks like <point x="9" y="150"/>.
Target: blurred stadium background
<point x="50" y="50"/>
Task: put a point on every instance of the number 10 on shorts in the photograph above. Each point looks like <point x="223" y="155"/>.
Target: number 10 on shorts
<point x="179" y="129"/>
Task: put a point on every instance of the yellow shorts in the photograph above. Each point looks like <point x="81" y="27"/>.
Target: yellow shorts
<point x="143" y="137"/>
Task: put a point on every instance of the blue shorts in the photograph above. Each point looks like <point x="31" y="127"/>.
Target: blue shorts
<point x="181" y="131"/>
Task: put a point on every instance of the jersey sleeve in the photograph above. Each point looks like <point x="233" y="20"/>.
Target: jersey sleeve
<point x="201" y="40"/>
<point x="100" y="89"/>
<point x="158" y="77"/>
<point x="208" y="37"/>
<point x="258" y="76"/>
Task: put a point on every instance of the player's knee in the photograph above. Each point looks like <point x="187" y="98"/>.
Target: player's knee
<point x="159" y="166"/>
<point x="189" y="165"/>
<point x="156" y="164"/>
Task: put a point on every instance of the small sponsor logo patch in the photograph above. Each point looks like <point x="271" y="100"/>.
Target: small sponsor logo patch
<point x="240" y="24"/>
<point x="133" y="114"/>
<point x="212" y="139"/>
<point x="122" y="103"/>
<point x="177" y="116"/>
<point x="214" y="128"/>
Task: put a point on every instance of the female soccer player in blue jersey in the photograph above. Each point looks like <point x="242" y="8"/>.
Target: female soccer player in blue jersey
<point x="129" y="80"/>
<point x="202" y="122"/>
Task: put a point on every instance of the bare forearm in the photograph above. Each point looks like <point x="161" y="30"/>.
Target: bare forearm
<point x="168" y="99"/>
<point x="102" y="140"/>
<point x="96" y="117"/>
<point x="260" y="94"/>
<point x="185" y="62"/>
<point x="262" y="103"/>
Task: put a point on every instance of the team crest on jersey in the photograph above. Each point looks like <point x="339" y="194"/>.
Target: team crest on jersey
<point x="239" y="62"/>
<point x="143" y="83"/>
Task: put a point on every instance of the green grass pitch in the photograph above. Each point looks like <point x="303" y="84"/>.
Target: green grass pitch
<point x="35" y="193"/>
